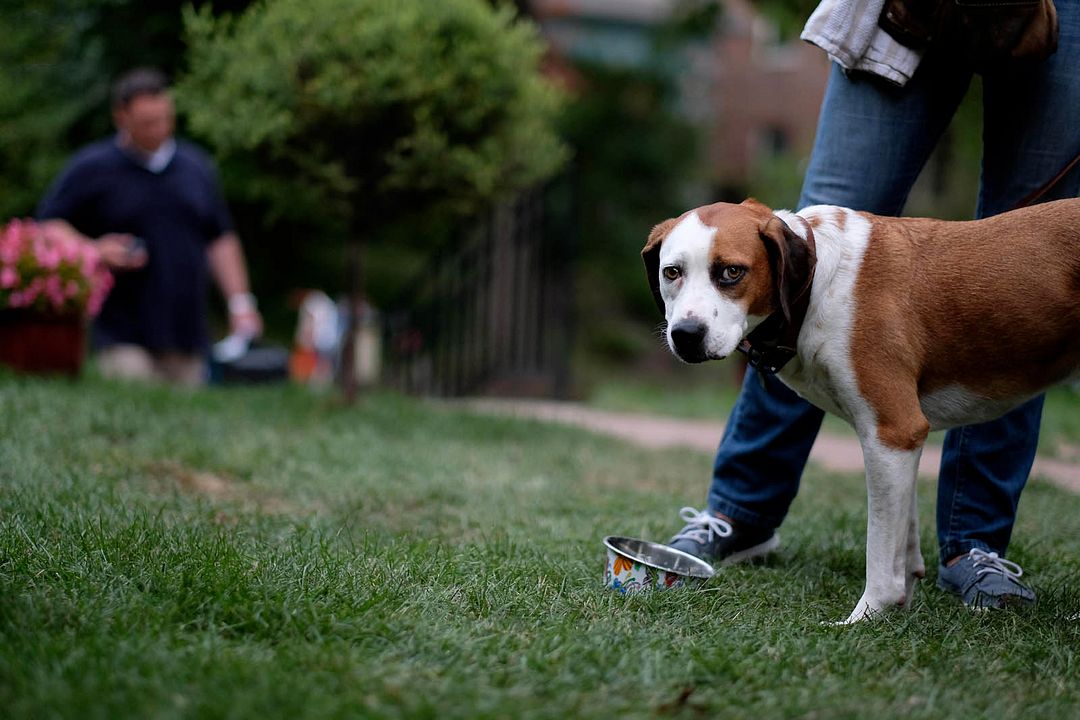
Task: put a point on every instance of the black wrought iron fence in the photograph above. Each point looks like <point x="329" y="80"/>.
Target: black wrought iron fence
<point x="493" y="312"/>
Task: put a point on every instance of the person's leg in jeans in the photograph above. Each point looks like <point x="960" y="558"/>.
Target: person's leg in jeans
<point x="872" y="141"/>
<point x="1030" y="133"/>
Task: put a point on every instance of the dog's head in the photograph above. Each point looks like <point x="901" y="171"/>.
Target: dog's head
<point x="718" y="271"/>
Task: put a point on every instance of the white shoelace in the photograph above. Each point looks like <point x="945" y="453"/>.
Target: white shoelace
<point x="701" y="526"/>
<point x="989" y="562"/>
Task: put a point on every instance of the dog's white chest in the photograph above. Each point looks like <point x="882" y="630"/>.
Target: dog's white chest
<point x="823" y="372"/>
<point x="818" y="386"/>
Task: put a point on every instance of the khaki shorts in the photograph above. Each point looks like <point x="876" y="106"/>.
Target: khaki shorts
<point x="133" y="362"/>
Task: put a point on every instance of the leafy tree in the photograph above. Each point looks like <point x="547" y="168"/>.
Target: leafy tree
<point x="48" y="83"/>
<point x="369" y="110"/>
<point x="373" y="112"/>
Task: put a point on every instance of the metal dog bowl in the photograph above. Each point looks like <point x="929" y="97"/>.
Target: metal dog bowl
<point x="635" y="565"/>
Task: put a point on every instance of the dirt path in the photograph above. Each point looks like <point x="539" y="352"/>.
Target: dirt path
<point x="832" y="452"/>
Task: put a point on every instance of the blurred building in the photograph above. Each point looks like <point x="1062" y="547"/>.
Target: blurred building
<point x="755" y="96"/>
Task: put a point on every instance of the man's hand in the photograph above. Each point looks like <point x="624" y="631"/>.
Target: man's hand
<point x="227" y="264"/>
<point x="244" y="317"/>
<point x="249" y="324"/>
<point x="121" y="251"/>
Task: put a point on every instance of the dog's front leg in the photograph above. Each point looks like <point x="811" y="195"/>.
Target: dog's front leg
<point x="890" y="481"/>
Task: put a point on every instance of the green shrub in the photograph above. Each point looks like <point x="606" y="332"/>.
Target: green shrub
<point x="370" y="111"/>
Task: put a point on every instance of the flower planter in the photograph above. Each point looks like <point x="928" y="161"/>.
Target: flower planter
<point x="41" y="343"/>
<point x="51" y="281"/>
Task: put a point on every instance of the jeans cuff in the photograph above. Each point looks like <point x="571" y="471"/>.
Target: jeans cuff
<point x="956" y="548"/>
<point x="741" y="516"/>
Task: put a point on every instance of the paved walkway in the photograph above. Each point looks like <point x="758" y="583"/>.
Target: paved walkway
<point x="831" y="451"/>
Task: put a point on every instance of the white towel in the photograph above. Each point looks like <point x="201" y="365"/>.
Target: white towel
<point x="848" y="31"/>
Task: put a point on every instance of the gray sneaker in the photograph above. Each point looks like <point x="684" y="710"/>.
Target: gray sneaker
<point x="718" y="541"/>
<point x="983" y="580"/>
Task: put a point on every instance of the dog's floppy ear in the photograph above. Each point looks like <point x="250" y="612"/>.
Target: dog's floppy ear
<point x="651" y="255"/>
<point x="791" y="262"/>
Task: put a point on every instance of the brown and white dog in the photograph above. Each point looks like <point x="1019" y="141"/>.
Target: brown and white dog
<point x="898" y="325"/>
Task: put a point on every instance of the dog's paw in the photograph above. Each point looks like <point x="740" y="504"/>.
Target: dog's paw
<point x="867" y="609"/>
<point x="857" y="615"/>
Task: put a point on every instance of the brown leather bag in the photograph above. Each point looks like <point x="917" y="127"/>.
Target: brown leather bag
<point x="987" y="34"/>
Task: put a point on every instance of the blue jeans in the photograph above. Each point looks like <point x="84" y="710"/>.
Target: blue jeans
<point x="872" y="141"/>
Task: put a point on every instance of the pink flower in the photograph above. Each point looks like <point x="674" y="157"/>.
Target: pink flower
<point x="47" y="257"/>
<point x="70" y="252"/>
<point x="31" y="291"/>
<point x="54" y="290"/>
<point x="13" y="233"/>
<point x="90" y="260"/>
<point x="11" y="243"/>
<point x="43" y="270"/>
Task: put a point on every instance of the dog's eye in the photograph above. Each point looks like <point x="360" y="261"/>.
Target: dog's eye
<point x="732" y="274"/>
<point x="671" y="273"/>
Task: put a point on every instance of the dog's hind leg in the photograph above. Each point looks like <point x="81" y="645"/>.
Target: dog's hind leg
<point x="915" y="568"/>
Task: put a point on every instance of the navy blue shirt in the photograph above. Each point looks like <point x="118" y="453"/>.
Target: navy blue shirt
<point x="178" y="212"/>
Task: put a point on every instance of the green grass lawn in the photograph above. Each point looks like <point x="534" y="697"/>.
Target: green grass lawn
<point x="263" y="553"/>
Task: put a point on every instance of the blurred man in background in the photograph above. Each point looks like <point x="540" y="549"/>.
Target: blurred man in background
<point x="154" y="208"/>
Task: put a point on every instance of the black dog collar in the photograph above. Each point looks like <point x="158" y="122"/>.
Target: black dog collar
<point x="771" y="345"/>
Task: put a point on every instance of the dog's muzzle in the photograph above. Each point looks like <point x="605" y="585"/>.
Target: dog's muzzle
<point x="688" y="340"/>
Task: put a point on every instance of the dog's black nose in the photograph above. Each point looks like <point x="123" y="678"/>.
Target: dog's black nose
<point x="687" y="337"/>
